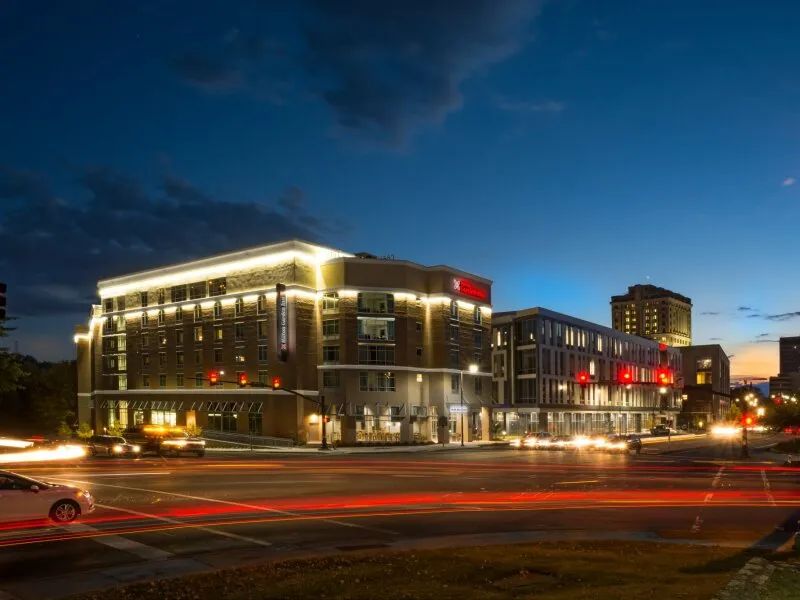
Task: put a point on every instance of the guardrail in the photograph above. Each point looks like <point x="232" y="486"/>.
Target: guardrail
<point x="226" y="438"/>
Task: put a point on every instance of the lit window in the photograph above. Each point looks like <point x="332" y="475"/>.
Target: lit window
<point x="198" y="333"/>
<point x="262" y="354"/>
<point x="217" y="310"/>
<point x="239" y="306"/>
<point x="262" y="304"/>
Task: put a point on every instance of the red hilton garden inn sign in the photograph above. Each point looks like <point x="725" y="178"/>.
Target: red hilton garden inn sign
<point x="465" y="287"/>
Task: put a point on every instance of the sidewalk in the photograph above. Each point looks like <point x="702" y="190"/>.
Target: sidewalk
<point x="315" y="449"/>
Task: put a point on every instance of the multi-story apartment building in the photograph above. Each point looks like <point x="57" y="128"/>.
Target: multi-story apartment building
<point x="388" y="342"/>
<point x="789" y="354"/>
<point x="539" y="357"/>
<point x="707" y="375"/>
<point x="654" y="313"/>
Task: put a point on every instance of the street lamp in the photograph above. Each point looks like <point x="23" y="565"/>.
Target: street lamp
<point x="760" y="411"/>
<point x="473" y="368"/>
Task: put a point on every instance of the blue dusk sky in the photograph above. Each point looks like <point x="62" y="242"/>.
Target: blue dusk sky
<point x="563" y="149"/>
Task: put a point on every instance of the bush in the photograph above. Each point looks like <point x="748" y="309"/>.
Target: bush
<point x="63" y="430"/>
<point x="85" y="431"/>
<point x="194" y="431"/>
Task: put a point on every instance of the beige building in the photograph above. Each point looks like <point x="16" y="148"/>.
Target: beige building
<point x="389" y="343"/>
<point x="539" y="358"/>
<point x="707" y="373"/>
<point x="654" y="313"/>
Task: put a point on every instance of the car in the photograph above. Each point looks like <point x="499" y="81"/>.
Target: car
<point x="112" y="445"/>
<point x="165" y="440"/>
<point x="527" y="441"/>
<point x="563" y="442"/>
<point x="660" y="430"/>
<point x="543" y="440"/>
<point x="25" y="499"/>
<point x="623" y="444"/>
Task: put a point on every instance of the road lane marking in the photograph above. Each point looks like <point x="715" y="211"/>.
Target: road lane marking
<point x="232" y="536"/>
<point x="120" y="543"/>
<point x="576" y="482"/>
<point x="714" y="483"/>
<point x="255" y="507"/>
<point x="767" y="487"/>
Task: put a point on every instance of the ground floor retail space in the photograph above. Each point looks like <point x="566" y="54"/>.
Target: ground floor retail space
<point x="511" y="423"/>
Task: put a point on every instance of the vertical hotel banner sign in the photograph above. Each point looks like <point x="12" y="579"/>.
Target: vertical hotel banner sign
<point x="282" y="305"/>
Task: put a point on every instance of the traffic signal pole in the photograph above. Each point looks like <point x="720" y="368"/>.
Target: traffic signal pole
<point x="745" y="448"/>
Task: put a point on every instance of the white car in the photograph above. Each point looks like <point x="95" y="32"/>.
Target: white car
<point x="25" y="499"/>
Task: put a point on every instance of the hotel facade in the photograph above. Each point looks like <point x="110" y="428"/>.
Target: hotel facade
<point x="400" y="351"/>
<point x="552" y="372"/>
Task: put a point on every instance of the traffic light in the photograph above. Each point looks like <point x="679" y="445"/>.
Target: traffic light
<point x="583" y="378"/>
<point x="213" y="378"/>
<point x="276" y="383"/>
<point x="778" y="399"/>
<point x="664" y="377"/>
<point x="242" y="380"/>
<point x="625" y="377"/>
<point x="747" y="420"/>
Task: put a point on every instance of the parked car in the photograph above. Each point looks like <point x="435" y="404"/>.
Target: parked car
<point x="25" y="499"/>
<point x="112" y="445"/>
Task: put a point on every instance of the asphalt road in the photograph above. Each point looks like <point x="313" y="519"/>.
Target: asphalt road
<point x="154" y="514"/>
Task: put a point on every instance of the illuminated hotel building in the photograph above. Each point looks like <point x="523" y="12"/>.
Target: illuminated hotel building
<point x="538" y="358"/>
<point x="388" y="342"/>
<point x="655" y="313"/>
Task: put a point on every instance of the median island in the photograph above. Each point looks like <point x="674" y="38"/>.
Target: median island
<point x="566" y="570"/>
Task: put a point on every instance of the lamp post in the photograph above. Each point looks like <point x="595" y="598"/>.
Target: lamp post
<point x="473" y="368"/>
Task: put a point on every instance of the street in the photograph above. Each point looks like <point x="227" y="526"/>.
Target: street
<point x="231" y="509"/>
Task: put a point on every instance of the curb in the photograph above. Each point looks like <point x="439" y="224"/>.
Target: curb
<point x="756" y="572"/>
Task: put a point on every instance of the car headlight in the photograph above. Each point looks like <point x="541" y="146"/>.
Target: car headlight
<point x="137" y="448"/>
<point x="516" y="443"/>
<point x="118" y="449"/>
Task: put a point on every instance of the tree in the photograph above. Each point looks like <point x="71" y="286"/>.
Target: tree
<point x="11" y="371"/>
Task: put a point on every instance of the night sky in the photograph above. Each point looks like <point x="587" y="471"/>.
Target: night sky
<point x="565" y="149"/>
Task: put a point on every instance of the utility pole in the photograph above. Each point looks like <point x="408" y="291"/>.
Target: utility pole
<point x="324" y="445"/>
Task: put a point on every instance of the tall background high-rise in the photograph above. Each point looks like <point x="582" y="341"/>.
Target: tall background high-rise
<point x="655" y="313"/>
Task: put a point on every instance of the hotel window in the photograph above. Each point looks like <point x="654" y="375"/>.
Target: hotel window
<point x="217" y="287"/>
<point x="455" y="382"/>
<point x="198" y="313"/>
<point x="477" y="316"/>
<point x="145" y="340"/>
<point x="262" y="354"/>
<point x="108" y="305"/>
<point x="262" y="330"/>
<point x="145" y="360"/>
<point x="238" y="332"/>
<point x="179" y="380"/>
<point x="239" y="357"/>
<point x="198" y="380"/>
<point x="263" y="377"/>
<point x="122" y="382"/>
<point x="179" y="337"/>
<point x="239" y="307"/>
<point x="145" y="381"/>
<point x="198" y="357"/>
<point x="122" y="363"/>
<point x="375" y="302"/>
<point x="161" y="296"/>
<point x="373" y="381"/>
<point x="120" y="303"/>
<point x="163" y="417"/>
<point x="162" y="360"/>
<point x="162" y="338"/>
<point x="455" y="360"/>
<point x="419" y="350"/>
<point x="178" y="315"/>
<point x="477" y="359"/>
<point x="478" y="386"/>
<point x="330" y="301"/>
<point x="453" y="309"/>
<point x="179" y="358"/>
<point x="144" y="319"/>
<point x="177" y="293"/>
<point x="330" y="379"/>
<point x="217" y="333"/>
<point x="376" y="329"/>
<point x="375" y="355"/>
<point x="217" y="355"/>
<point x="261" y="305"/>
<point x="197" y="290"/>
<point x="217" y="310"/>
<point x="198" y="333"/>
<point x="143" y="299"/>
<point x="330" y="329"/>
<point x="452" y="333"/>
<point x="477" y="339"/>
<point x="161" y="316"/>
<point x="330" y="355"/>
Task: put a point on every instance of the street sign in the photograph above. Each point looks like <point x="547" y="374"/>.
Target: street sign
<point x="458" y="409"/>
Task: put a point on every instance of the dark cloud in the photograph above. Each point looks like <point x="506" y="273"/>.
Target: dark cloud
<point x="388" y="67"/>
<point x="766" y="341"/>
<point x="745" y="309"/>
<point x="782" y="316"/>
<point x="762" y="335"/>
<point x="206" y="72"/>
<point x="55" y="250"/>
<point x="753" y="316"/>
<point x="709" y="313"/>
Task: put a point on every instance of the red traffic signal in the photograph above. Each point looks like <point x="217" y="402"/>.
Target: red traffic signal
<point x="747" y="420"/>
<point x="664" y="376"/>
<point x="213" y="378"/>
<point x="625" y="377"/>
<point x="583" y="378"/>
<point x="778" y="399"/>
<point x="276" y="383"/>
<point x="242" y="380"/>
